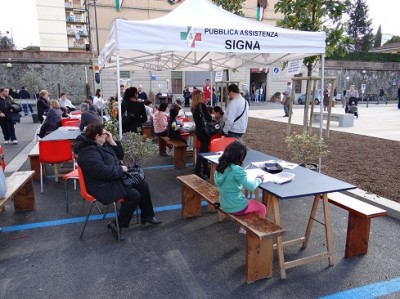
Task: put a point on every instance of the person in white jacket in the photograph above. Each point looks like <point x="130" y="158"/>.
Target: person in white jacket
<point x="236" y="114"/>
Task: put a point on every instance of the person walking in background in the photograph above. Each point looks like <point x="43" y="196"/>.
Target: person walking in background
<point x="236" y="113"/>
<point x="327" y="94"/>
<point x="43" y="104"/>
<point x="230" y="178"/>
<point x="382" y="96"/>
<point x="141" y="94"/>
<point x="257" y="95"/>
<point x="187" y="95"/>
<point x="6" y="125"/>
<point x="25" y="96"/>
<point x="261" y="94"/>
<point x="286" y="99"/>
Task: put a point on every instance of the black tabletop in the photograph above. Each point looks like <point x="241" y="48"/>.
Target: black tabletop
<point x="62" y="135"/>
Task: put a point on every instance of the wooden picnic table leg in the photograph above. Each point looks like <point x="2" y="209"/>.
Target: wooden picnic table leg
<point x="328" y="228"/>
<point x="272" y="204"/>
<point x="311" y="220"/>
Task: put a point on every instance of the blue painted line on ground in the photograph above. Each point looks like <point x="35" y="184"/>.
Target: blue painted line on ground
<point x="370" y="291"/>
<point x="164" y="166"/>
<point x="13" y="228"/>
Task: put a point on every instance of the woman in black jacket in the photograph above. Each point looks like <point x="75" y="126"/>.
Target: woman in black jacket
<point x="198" y="109"/>
<point x="43" y="104"/>
<point x="135" y="112"/>
<point x="99" y="157"/>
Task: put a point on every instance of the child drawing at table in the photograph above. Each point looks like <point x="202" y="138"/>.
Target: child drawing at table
<point x="230" y="178"/>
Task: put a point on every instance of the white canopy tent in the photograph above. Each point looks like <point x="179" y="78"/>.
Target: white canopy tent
<point x="199" y="35"/>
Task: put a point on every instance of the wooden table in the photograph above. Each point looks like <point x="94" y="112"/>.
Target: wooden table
<point x="306" y="183"/>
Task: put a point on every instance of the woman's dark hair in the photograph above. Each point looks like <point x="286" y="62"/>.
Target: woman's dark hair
<point x="234" y="153"/>
<point x="163" y="106"/>
<point x="98" y="93"/>
<point x="148" y="102"/>
<point x="130" y="92"/>
<point x="219" y="110"/>
<point x="94" y="129"/>
<point x="173" y="112"/>
<point x="64" y="111"/>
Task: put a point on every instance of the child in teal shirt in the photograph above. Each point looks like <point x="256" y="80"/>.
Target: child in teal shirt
<point x="230" y="178"/>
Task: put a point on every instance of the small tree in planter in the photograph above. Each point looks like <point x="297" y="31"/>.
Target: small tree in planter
<point x="306" y="149"/>
<point x="137" y="148"/>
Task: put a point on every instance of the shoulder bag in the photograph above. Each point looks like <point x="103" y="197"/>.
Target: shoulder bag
<point x="133" y="177"/>
<point x="211" y="127"/>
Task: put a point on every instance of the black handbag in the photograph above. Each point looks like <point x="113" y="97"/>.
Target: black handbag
<point x="211" y="127"/>
<point x="133" y="177"/>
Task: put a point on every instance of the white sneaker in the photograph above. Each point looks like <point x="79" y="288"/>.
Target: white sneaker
<point x="15" y="141"/>
<point x="6" y="141"/>
<point x="242" y="231"/>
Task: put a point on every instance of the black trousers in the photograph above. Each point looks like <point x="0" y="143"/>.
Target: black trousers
<point x="8" y="129"/>
<point x="204" y="144"/>
<point x="139" y="195"/>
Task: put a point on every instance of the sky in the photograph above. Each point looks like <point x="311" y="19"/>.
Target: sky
<point x="19" y="17"/>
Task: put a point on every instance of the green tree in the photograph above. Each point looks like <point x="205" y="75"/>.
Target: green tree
<point x="32" y="48"/>
<point x="359" y="28"/>
<point x="378" y="38"/>
<point x="394" y="39"/>
<point x="6" y="43"/>
<point x="316" y="15"/>
<point x="234" y="6"/>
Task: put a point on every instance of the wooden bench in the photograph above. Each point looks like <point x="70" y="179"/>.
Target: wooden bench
<point x="19" y="188"/>
<point x="34" y="161"/>
<point x="344" y="119"/>
<point x="259" y="231"/>
<point x="179" y="148"/>
<point x="358" y="227"/>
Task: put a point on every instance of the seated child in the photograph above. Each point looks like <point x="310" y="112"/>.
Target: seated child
<point x="174" y="132"/>
<point x="230" y="178"/>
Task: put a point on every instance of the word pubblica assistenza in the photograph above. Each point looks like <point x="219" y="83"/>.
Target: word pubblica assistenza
<point x="231" y="44"/>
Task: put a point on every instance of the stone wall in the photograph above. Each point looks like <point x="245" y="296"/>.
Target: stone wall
<point x="54" y="71"/>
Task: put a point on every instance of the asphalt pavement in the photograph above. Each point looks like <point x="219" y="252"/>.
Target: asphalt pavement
<point x="41" y="255"/>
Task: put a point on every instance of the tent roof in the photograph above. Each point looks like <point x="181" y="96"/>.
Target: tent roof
<point x="199" y="35"/>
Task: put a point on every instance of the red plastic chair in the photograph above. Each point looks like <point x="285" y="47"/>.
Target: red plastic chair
<point x="93" y="201"/>
<point x="219" y="144"/>
<point x="70" y="122"/>
<point x="53" y="152"/>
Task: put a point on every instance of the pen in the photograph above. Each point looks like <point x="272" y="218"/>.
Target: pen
<point x="247" y="166"/>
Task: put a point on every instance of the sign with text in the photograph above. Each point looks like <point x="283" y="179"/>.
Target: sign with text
<point x="218" y="76"/>
<point x="294" y="67"/>
<point x="276" y="73"/>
